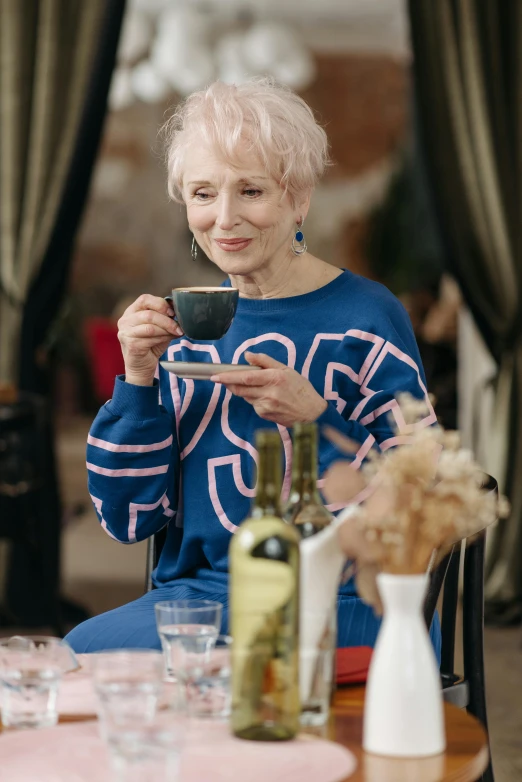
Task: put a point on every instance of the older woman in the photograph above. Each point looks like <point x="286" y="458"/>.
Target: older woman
<point x="332" y="347"/>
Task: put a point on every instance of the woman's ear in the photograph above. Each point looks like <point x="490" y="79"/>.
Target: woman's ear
<point x="303" y="206"/>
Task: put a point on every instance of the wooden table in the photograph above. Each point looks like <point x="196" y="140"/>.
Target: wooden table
<point x="465" y="759"/>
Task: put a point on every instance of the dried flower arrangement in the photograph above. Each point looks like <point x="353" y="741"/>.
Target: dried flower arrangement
<point x="427" y="496"/>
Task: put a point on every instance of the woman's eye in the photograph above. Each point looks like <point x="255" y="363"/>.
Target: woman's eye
<point x="251" y="192"/>
<point x="202" y="196"/>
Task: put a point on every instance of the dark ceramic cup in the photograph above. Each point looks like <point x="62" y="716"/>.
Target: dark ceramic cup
<point x="204" y="313"/>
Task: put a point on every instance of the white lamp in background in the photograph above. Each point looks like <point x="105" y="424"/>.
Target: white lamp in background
<point x="297" y="72"/>
<point x="265" y="43"/>
<point x="181" y="53"/>
<point x="194" y="76"/>
<point x="184" y="55"/>
<point x="230" y="59"/>
<point x="147" y="84"/>
<point x="274" y="48"/>
<point x="186" y="68"/>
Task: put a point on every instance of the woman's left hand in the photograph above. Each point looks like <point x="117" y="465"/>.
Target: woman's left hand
<point x="277" y="393"/>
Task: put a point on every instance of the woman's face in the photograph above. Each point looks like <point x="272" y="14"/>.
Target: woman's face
<point x="239" y="215"/>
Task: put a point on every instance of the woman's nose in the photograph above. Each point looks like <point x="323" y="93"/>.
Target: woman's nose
<point x="227" y="215"/>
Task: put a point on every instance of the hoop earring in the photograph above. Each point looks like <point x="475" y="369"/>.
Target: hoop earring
<point x="194" y="249"/>
<point x="299" y="246"/>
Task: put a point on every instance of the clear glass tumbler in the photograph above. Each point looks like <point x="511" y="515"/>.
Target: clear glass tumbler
<point x="317" y="670"/>
<point x="31" y="668"/>
<point x="128" y="683"/>
<point x="187" y="629"/>
<point x="147" y="751"/>
<point x="208" y="682"/>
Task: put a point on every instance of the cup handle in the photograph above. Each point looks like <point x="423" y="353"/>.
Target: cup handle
<point x="174" y="317"/>
<point x="170" y="302"/>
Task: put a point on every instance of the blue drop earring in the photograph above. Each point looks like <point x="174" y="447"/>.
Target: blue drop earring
<point x="299" y="242"/>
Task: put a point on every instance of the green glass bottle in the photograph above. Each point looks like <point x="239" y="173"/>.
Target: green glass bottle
<point x="305" y="508"/>
<point x="264" y="610"/>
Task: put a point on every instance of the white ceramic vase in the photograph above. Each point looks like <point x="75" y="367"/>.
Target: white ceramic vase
<point x="403" y="711"/>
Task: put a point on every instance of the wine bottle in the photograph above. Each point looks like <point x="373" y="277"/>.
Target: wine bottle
<point x="305" y="508"/>
<point x="264" y="610"/>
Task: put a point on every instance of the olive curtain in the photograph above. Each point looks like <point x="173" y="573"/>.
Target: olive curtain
<point x="468" y="84"/>
<point x="48" y="49"/>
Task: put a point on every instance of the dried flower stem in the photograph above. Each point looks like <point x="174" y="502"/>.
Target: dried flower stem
<point x="429" y="495"/>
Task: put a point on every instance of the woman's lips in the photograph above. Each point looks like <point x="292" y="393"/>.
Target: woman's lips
<point x="232" y="245"/>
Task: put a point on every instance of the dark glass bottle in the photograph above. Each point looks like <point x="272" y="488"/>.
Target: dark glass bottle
<point x="305" y="508"/>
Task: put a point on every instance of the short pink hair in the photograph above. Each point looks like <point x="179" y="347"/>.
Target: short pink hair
<point x="279" y="125"/>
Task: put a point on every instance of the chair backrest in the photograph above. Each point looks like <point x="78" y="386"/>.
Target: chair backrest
<point x="447" y="576"/>
<point x="154" y="547"/>
<point x="473" y="629"/>
<point x="437" y="578"/>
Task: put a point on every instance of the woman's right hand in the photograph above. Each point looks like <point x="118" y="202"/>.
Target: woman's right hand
<point x="145" y="331"/>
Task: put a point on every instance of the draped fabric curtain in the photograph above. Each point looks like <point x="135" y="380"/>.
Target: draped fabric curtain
<point x="49" y="286"/>
<point x="468" y="79"/>
<point x="47" y="52"/>
<point x="56" y="63"/>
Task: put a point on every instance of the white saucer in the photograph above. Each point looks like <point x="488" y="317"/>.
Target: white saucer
<point x="201" y="370"/>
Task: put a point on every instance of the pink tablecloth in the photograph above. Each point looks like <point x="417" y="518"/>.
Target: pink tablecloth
<point x="76" y="696"/>
<point x="75" y="753"/>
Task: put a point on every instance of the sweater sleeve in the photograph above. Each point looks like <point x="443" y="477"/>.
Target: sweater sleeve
<point x="133" y="463"/>
<point x="374" y="366"/>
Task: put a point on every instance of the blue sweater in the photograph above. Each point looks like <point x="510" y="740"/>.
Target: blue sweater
<point x="181" y="452"/>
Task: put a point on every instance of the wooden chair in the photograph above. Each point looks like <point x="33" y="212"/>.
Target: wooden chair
<point x="467" y="691"/>
<point x="154" y="547"/>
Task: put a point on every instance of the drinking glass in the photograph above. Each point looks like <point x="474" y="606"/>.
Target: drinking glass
<point x="128" y="683"/>
<point x="187" y="629"/>
<point x="31" y="668"/>
<point x="147" y="751"/>
<point x="208" y="682"/>
<point x="316" y="670"/>
<point x="316" y="708"/>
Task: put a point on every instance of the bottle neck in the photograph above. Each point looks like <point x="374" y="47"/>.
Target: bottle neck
<point x="304" y="467"/>
<point x="267" y="501"/>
